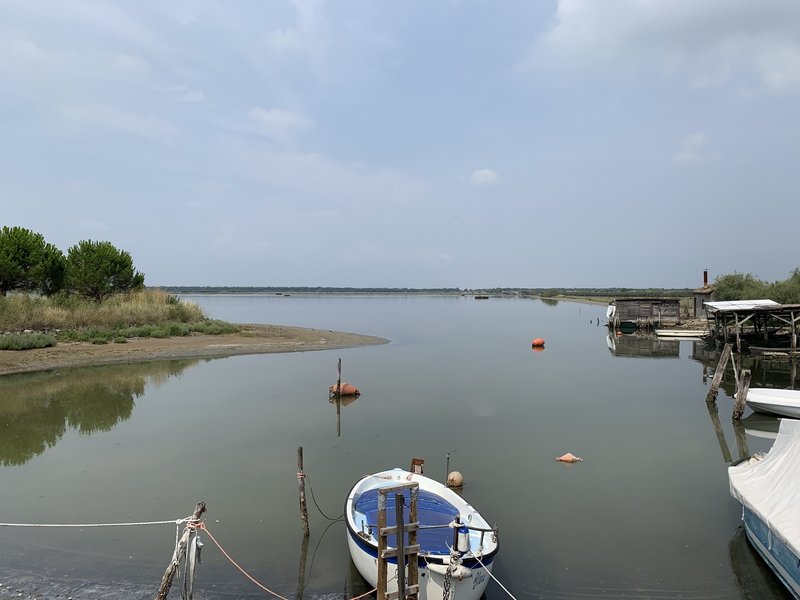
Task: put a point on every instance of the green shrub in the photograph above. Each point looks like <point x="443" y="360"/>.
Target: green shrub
<point x="26" y="341"/>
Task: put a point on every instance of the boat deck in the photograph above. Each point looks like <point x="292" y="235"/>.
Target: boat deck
<point x="432" y="510"/>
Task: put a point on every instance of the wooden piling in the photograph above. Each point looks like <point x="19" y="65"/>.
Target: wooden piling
<point x="178" y="554"/>
<point x="741" y="395"/>
<point x="408" y="580"/>
<point x="383" y="570"/>
<point x="301" y="484"/>
<point x="400" y="534"/>
<point x="723" y="361"/>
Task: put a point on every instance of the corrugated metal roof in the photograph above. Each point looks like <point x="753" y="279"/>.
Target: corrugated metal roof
<point x="741" y="305"/>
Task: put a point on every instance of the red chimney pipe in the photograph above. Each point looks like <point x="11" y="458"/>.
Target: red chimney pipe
<point x="705" y="277"/>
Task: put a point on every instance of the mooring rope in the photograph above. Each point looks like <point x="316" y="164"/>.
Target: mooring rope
<point x="202" y="526"/>
<point x="172" y="522"/>
<point x="493" y="577"/>
<point x="311" y="487"/>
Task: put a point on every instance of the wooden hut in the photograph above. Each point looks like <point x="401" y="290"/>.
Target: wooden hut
<point x="643" y="313"/>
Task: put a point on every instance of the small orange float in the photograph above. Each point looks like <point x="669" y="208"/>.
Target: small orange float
<point x="538" y="343"/>
<point x="569" y="457"/>
<point x="345" y="389"/>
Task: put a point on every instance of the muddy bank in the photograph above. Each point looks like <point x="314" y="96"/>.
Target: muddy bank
<point x="253" y="339"/>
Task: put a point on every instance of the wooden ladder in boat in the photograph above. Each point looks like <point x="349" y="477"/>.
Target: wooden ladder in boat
<point x="407" y="578"/>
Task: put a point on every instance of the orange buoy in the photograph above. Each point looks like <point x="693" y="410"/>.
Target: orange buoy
<point x="345" y="389"/>
<point x="569" y="457"/>
<point x="538" y="343"/>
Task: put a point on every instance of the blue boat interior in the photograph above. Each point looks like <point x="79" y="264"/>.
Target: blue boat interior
<point x="432" y="510"/>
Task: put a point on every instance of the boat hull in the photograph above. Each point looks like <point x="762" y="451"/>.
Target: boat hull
<point x="783" y="562"/>
<point x="437" y="506"/>
<point x="782" y="403"/>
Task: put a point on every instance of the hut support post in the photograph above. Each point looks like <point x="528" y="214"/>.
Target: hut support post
<point x="723" y="361"/>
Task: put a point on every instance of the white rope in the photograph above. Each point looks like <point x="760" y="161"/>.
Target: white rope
<point x="493" y="577"/>
<point x="172" y="522"/>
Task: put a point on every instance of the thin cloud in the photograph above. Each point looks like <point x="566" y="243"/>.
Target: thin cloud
<point x="122" y="121"/>
<point x="483" y="176"/>
<point x="712" y="42"/>
<point x="280" y="125"/>
<point x="695" y="149"/>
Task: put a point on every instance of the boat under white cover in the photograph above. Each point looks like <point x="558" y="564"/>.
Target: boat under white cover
<point x="769" y="491"/>
<point x="783" y="403"/>
<point x="437" y="509"/>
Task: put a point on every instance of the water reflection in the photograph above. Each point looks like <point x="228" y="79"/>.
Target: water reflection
<point x="761" y="425"/>
<point x="339" y="402"/>
<point x="753" y="576"/>
<point x="36" y="410"/>
<point x="639" y="345"/>
<point x="765" y="371"/>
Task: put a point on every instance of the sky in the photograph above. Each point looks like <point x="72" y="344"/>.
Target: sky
<point x="415" y="143"/>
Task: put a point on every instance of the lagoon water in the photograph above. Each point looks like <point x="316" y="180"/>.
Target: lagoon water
<point x="647" y="514"/>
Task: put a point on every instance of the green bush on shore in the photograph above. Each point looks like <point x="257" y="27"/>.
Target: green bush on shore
<point x="144" y="313"/>
<point x="26" y="341"/>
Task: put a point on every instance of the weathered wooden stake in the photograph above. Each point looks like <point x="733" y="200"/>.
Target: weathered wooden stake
<point x="741" y="395"/>
<point x="723" y="361"/>
<point x="301" y="484"/>
<point x="383" y="571"/>
<point x="301" y="569"/>
<point x="178" y="554"/>
<point x="401" y="546"/>
<point x="339" y="379"/>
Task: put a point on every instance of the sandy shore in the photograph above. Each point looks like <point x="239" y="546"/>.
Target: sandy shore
<point x="254" y="339"/>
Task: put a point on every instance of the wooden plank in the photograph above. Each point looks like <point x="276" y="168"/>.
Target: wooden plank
<point x="393" y="530"/>
<point x="392" y="552"/>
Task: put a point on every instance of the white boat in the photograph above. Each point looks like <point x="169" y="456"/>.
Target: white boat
<point x="783" y="403"/>
<point x="444" y="517"/>
<point x="682" y="333"/>
<point x="769" y="492"/>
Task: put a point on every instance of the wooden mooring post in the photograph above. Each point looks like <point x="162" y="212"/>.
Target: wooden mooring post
<point x="301" y="484"/>
<point x="741" y="394"/>
<point x="179" y="553"/>
<point x="407" y="579"/>
<point x="723" y="362"/>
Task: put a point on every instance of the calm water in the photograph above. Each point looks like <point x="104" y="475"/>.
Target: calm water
<point x="646" y="515"/>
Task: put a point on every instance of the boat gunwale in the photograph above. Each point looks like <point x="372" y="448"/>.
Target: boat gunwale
<point x="469" y="559"/>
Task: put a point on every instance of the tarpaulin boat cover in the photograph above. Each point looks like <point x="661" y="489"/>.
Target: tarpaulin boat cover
<point x="771" y="487"/>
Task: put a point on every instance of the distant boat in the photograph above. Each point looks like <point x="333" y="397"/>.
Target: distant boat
<point x="769" y="492"/>
<point x="442" y="515"/>
<point x="481" y="297"/>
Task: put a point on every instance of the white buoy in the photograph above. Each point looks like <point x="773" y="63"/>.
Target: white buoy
<point x="455" y="479"/>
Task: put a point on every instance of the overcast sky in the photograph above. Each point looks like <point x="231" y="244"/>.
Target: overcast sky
<point x="414" y="143"/>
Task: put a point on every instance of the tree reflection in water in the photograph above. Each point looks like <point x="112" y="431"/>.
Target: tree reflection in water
<point x="37" y="409"/>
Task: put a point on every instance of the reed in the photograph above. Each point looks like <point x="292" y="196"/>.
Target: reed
<point x="143" y="313"/>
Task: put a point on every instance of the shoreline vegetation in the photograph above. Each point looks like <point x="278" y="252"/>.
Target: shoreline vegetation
<point x="40" y="333"/>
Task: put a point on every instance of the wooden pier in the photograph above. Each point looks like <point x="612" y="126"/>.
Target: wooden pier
<point x="761" y="323"/>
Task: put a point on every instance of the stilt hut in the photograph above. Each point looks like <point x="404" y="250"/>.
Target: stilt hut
<point x="643" y="313"/>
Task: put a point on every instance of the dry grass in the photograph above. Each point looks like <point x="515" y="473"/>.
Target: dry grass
<point x="145" y="307"/>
